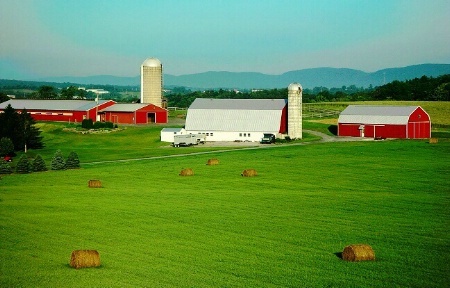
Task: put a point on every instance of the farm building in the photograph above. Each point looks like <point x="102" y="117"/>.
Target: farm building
<point x="59" y="110"/>
<point x="167" y="134"/>
<point x="411" y="122"/>
<point x="135" y="113"/>
<point x="236" y="119"/>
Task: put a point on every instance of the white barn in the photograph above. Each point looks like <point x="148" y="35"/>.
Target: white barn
<point x="237" y="119"/>
<point x="167" y="134"/>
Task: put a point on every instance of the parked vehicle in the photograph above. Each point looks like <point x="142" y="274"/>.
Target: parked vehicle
<point x="268" y="138"/>
<point x="7" y="158"/>
<point x="188" y="140"/>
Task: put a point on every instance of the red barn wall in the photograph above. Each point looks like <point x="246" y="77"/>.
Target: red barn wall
<point x="419" y="124"/>
<point x="283" y="123"/>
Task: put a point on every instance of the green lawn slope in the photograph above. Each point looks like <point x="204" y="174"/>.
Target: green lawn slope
<point x="283" y="228"/>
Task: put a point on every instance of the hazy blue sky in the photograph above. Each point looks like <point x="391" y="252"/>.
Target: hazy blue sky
<point x="111" y="37"/>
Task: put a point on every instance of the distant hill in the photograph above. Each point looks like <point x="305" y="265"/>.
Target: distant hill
<point x="309" y="78"/>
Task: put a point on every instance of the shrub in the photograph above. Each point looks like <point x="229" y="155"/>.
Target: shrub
<point x="87" y="124"/>
<point x="39" y="164"/>
<point x="109" y="125"/>
<point x="72" y="161"/>
<point x="23" y="166"/>
<point x="5" y="168"/>
<point x="99" y="125"/>
<point x="6" y="146"/>
<point x="58" y="162"/>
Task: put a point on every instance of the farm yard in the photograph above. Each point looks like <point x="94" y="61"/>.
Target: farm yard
<point x="285" y="227"/>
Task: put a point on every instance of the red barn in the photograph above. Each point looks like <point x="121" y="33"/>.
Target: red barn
<point x="135" y="113"/>
<point x="59" y="110"/>
<point x="411" y="122"/>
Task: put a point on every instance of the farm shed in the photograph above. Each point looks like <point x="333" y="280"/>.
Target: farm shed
<point x="236" y="119"/>
<point x="59" y="110"/>
<point x="381" y="121"/>
<point x="134" y="113"/>
<point x="167" y="134"/>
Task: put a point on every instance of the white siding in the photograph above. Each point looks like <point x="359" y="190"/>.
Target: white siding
<point x="167" y="134"/>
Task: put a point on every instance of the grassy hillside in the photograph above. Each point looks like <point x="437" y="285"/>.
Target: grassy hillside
<point x="284" y="227"/>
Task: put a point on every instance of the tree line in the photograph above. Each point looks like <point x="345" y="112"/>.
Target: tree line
<point x="418" y="89"/>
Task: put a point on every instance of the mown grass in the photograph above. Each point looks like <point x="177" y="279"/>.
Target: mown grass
<point x="154" y="228"/>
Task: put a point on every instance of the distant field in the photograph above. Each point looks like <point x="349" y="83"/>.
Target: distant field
<point x="283" y="228"/>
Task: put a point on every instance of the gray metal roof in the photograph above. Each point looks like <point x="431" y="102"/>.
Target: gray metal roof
<point x="68" y="105"/>
<point x="376" y="114"/>
<point x="259" y="115"/>
<point x="124" y="107"/>
<point x="238" y="104"/>
<point x="172" y="129"/>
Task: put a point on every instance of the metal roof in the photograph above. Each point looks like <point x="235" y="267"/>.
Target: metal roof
<point x="124" y="107"/>
<point x="259" y="115"/>
<point x="376" y="114"/>
<point x="238" y="104"/>
<point x="68" y="105"/>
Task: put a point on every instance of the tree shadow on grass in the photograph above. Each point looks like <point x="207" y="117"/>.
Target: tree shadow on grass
<point x="333" y="129"/>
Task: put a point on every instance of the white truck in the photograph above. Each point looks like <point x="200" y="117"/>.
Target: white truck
<point x="188" y="140"/>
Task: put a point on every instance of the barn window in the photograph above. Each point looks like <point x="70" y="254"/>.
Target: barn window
<point x="240" y="134"/>
<point x="211" y="134"/>
<point x="248" y="134"/>
<point x="245" y="134"/>
<point x="207" y="134"/>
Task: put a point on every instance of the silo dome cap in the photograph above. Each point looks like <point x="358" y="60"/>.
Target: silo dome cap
<point x="151" y="62"/>
<point x="295" y="87"/>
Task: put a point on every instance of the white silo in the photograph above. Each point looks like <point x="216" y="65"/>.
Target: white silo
<point x="295" y="111"/>
<point x="152" y="82"/>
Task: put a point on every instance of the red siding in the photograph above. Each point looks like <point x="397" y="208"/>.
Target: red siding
<point x="120" y="117"/>
<point x="419" y="124"/>
<point x="147" y="114"/>
<point x="283" y="122"/>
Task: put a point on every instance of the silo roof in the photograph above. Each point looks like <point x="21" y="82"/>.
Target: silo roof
<point x="151" y="62"/>
<point x="376" y="114"/>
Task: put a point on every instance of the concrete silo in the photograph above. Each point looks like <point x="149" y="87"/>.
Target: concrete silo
<point x="295" y="111"/>
<point x="152" y="82"/>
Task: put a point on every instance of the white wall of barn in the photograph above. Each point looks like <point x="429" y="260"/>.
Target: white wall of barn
<point x="215" y="136"/>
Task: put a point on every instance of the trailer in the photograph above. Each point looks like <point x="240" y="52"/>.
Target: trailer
<point x="188" y="140"/>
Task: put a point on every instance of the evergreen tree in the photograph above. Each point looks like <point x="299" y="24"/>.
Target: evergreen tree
<point x="39" y="164"/>
<point x="4" y="167"/>
<point x="72" y="161"/>
<point x="58" y="162"/>
<point x="6" y="147"/>
<point x="31" y="138"/>
<point x="10" y="126"/>
<point x="23" y="166"/>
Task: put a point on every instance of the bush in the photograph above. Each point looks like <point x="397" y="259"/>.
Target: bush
<point x="4" y="167"/>
<point x="87" y="124"/>
<point x="99" y="125"/>
<point x="109" y="125"/>
<point x="58" y="162"/>
<point x="23" y="166"/>
<point x="39" y="164"/>
<point x="72" y="161"/>
<point x="6" y="147"/>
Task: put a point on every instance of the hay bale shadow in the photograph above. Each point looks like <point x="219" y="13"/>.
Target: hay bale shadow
<point x="338" y="254"/>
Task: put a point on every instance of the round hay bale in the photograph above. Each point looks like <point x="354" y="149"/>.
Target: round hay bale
<point x="95" y="184"/>
<point x="187" y="172"/>
<point x="84" y="259"/>
<point x="213" y="162"/>
<point x="249" y="173"/>
<point x="358" y="252"/>
<point x="434" y="140"/>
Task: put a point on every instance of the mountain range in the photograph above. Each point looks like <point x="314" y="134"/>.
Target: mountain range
<point x="308" y="78"/>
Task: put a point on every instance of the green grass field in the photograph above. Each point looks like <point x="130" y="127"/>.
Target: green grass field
<point x="283" y="228"/>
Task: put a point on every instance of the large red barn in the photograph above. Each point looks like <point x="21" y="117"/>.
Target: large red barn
<point x="136" y="113"/>
<point x="382" y="121"/>
<point x="59" y="110"/>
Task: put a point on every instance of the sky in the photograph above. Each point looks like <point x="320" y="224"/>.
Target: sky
<point x="47" y="38"/>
